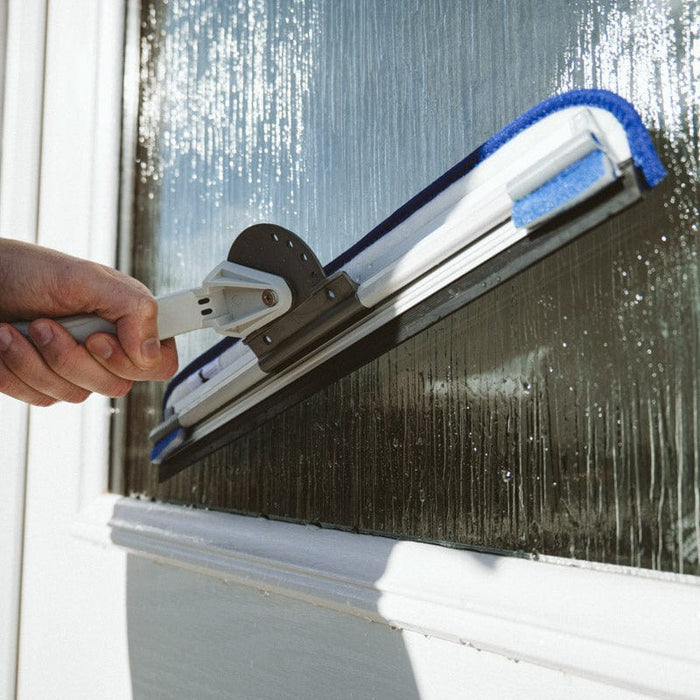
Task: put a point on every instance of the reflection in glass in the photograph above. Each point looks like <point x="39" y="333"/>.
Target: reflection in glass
<point x="557" y="414"/>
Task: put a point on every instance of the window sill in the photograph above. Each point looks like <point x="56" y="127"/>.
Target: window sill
<point x="630" y="628"/>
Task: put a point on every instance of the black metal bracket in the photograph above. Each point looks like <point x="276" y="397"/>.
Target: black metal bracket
<point x="330" y="307"/>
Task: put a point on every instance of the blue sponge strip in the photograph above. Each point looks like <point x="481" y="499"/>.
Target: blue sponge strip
<point x="171" y="440"/>
<point x="641" y="147"/>
<point x="561" y="190"/>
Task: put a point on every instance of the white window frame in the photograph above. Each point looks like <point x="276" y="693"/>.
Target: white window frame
<point x="58" y="187"/>
<point x="21" y="126"/>
<point x="633" y="629"/>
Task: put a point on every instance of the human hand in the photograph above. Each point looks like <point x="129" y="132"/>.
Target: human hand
<point x="38" y="283"/>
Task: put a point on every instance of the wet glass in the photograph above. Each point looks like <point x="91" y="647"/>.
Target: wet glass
<point x="557" y="414"/>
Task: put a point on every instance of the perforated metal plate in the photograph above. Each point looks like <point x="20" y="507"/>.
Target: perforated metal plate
<point x="320" y="304"/>
<point x="276" y="250"/>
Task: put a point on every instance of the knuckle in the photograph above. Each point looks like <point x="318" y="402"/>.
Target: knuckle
<point x="119" y="389"/>
<point x="147" y="307"/>
<point x="59" y="357"/>
<point x="60" y="362"/>
<point x="140" y="286"/>
<point x="43" y="401"/>
<point x="17" y="361"/>
<point x="76" y="395"/>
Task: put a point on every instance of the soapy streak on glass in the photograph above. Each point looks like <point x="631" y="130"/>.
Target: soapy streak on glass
<point x="571" y="427"/>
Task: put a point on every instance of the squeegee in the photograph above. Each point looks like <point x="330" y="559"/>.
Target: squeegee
<point x="555" y="172"/>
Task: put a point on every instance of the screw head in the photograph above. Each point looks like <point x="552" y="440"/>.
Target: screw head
<point x="269" y="298"/>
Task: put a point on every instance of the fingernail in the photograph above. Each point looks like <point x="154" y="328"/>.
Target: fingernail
<point x="5" y="338"/>
<point x="40" y="333"/>
<point x="101" y="347"/>
<point x="150" y="349"/>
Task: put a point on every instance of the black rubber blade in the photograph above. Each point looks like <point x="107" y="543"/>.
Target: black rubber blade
<point x="276" y="250"/>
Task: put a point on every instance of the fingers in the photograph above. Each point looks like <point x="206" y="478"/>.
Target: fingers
<point x="25" y="376"/>
<point x="72" y="362"/>
<point x="108" y="351"/>
<point x="12" y="385"/>
<point x="134" y="310"/>
<point x="53" y="367"/>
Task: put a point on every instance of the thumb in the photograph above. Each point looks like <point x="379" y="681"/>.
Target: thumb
<point x="137" y="331"/>
<point x="134" y="311"/>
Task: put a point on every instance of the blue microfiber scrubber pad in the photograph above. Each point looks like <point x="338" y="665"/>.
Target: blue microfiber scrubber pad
<point x="640" y="143"/>
<point x="641" y="147"/>
<point x="586" y="176"/>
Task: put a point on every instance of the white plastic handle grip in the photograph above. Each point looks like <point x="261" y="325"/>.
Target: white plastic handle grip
<point x="177" y="313"/>
<point x="233" y="300"/>
<point x="80" y="327"/>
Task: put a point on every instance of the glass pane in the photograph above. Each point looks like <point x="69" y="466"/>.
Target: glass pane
<point x="558" y="413"/>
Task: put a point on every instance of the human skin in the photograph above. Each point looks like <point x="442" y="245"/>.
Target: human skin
<point x="39" y="284"/>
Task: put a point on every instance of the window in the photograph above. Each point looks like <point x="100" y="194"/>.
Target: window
<point x="556" y="414"/>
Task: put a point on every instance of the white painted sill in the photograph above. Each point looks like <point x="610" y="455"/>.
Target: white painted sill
<point x="629" y="628"/>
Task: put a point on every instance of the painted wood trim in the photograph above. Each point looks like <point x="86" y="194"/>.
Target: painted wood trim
<point x="128" y="114"/>
<point x="632" y="629"/>
<point x="19" y="195"/>
<point x="74" y="209"/>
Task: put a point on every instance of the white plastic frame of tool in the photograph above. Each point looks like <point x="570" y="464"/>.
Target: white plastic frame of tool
<point x="463" y="226"/>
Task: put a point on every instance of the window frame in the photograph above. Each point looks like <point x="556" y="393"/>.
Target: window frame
<point x="23" y="29"/>
<point x="632" y="629"/>
<point x="61" y="140"/>
<point x="625" y="627"/>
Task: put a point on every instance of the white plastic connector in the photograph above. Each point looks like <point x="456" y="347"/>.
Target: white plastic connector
<point x="233" y="300"/>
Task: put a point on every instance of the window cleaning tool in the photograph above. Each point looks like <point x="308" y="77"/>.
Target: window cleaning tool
<point x="558" y="170"/>
<point x="233" y="300"/>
